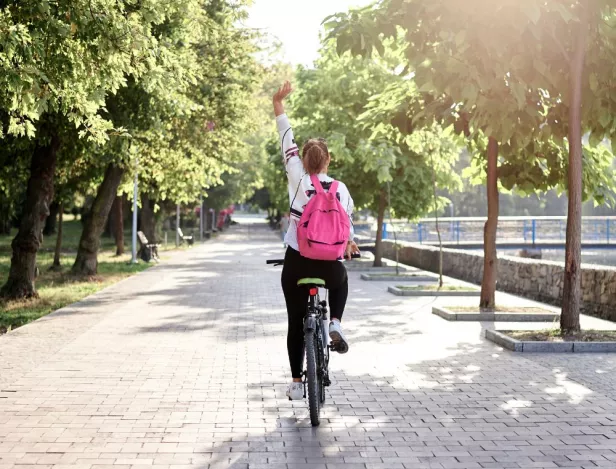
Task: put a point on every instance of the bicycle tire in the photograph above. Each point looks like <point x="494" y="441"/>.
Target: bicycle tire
<point x="321" y="368"/>
<point x="312" y="378"/>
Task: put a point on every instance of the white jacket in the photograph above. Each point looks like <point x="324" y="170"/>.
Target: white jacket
<point x="300" y="186"/>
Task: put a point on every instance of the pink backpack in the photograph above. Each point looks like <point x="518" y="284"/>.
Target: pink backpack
<point x="324" y="227"/>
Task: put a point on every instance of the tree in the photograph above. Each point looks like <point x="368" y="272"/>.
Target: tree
<point x="580" y="34"/>
<point x="441" y="152"/>
<point x="117" y="223"/>
<point x="59" y="60"/>
<point x="167" y="118"/>
<point x="57" y="251"/>
<point x="366" y="133"/>
<point x="482" y="79"/>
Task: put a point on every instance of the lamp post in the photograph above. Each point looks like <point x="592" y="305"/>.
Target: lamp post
<point x="135" y="196"/>
<point x="201" y="220"/>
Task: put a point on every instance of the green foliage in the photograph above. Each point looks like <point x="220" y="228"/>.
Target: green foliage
<point x="64" y="57"/>
<point x="361" y="107"/>
<point x="169" y="84"/>
<point x="500" y="69"/>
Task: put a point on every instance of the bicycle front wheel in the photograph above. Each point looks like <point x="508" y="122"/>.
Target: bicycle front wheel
<point x="312" y="378"/>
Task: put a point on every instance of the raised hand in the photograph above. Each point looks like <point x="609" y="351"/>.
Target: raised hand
<point x="284" y="91"/>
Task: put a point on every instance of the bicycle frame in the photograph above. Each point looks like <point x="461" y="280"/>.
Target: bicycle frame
<point x="316" y="315"/>
<point x="316" y="349"/>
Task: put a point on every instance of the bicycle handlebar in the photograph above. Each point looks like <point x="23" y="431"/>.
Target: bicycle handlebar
<point x="281" y="261"/>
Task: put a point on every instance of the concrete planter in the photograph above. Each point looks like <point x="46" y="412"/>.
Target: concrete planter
<point x="534" y="279"/>
<point x="400" y="292"/>
<point x="512" y="316"/>
<point x="549" y="347"/>
<point x="365" y="265"/>
<point x="403" y="277"/>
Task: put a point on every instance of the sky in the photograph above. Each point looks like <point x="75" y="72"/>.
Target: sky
<point x="297" y="23"/>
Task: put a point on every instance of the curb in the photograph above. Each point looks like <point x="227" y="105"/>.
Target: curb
<point x="496" y="317"/>
<point x="367" y="267"/>
<point x="549" y="347"/>
<point x="398" y="292"/>
<point x="398" y="278"/>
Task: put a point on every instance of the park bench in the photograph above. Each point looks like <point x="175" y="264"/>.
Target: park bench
<point x="189" y="239"/>
<point x="148" y="251"/>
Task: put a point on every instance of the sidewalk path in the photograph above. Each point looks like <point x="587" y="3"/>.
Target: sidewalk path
<point x="185" y="366"/>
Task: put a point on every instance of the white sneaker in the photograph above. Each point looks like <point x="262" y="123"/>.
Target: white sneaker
<point x="339" y="343"/>
<point x="295" y="391"/>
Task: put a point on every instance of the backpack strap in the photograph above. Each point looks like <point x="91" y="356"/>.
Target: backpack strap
<point x="334" y="187"/>
<point x="317" y="184"/>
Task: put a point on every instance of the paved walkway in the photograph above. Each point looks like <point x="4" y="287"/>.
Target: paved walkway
<point x="185" y="366"/>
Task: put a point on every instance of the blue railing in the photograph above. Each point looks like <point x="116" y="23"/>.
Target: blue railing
<point x="521" y="230"/>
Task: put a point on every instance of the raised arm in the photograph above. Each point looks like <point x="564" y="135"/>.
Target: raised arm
<point x="290" y="150"/>
<point x="279" y="96"/>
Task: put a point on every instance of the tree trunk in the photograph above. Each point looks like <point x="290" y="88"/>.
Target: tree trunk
<point x="438" y="230"/>
<point x="108" y="230"/>
<point x="86" y="262"/>
<point x="147" y="220"/>
<point x="490" y="261"/>
<point x="378" y="246"/>
<point x="39" y="195"/>
<point x="572" y="288"/>
<point x="5" y="214"/>
<point x="118" y="224"/>
<point x="51" y="220"/>
<point x="56" y="257"/>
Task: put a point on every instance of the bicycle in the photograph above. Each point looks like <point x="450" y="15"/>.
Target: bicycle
<point x="316" y="344"/>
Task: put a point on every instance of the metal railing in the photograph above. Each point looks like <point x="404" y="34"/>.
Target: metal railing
<point x="521" y="230"/>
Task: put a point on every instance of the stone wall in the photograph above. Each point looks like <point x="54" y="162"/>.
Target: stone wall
<point x="534" y="279"/>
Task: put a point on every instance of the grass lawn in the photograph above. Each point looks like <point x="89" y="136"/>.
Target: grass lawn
<point x="499" y="309"/>
<point x="58" y="289"/>
<point x="555" y="335"/>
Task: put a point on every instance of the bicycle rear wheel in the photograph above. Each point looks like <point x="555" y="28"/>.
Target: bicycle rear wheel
<point x="321" y="368"/>
<point x="312" y="378"/>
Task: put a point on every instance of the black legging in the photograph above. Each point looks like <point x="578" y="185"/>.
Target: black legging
<point x="297" y="267"/>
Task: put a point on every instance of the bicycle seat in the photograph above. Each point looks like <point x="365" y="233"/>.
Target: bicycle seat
<point x="311" y="282"/>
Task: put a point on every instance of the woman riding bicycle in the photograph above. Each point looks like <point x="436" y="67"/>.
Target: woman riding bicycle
<point x="315" y="159"/>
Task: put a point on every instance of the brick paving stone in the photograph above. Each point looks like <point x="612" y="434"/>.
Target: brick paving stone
<point x="184" y="366"/>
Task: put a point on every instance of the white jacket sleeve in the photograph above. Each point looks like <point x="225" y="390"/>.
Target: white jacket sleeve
<point x="349" y="209"/>
<point x="290" y="151"/>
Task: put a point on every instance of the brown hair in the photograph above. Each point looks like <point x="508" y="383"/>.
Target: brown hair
<point x="315" y="155"/>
